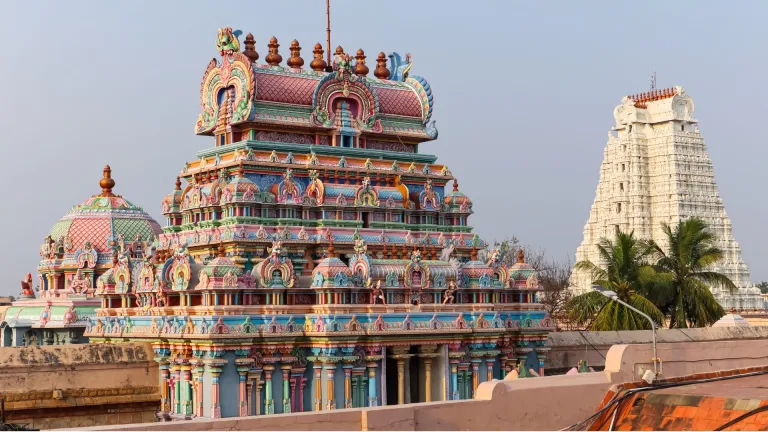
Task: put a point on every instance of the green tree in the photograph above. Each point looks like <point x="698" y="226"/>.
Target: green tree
<point x="687" y="278"/>
<point x="763" y="287"/>
<point x="627" y="273"/>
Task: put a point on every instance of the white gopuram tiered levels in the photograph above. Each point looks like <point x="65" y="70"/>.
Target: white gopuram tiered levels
<point x="656" y="169"/>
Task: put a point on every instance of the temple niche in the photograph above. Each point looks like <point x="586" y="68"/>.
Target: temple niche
<point x="313" y="258"/>
<point x="656" y="169"/>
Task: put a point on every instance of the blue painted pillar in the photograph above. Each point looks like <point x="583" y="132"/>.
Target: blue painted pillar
<point x="454" y="380"/>
<point x="373" y="400"/>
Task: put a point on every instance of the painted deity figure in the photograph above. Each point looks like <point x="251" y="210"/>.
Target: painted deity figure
<point x="179" y="281"/>
<point x="121" y="284"/>
<point x="377" y="293"/>
<point x="80" y="284"/>
<point x="277" y="278"/>
<point x="449" y="293"/>
<point x="26" y="286"/>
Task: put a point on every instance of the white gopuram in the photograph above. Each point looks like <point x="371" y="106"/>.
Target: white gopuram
<point x="656" y="169"/>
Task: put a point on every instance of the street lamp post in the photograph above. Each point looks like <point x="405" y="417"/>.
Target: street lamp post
<point x="612" y="295"/>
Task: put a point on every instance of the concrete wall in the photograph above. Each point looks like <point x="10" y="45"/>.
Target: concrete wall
<point x="71" y="385"/>
<point x="570" y="347"/>
<point x="544" y="403"/>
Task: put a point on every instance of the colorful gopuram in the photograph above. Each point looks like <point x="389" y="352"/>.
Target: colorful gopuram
<point x="80" y="248"/>
<point x="313" y="258"/>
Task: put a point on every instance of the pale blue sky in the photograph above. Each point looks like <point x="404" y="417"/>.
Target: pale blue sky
<point x="524" y="94"/>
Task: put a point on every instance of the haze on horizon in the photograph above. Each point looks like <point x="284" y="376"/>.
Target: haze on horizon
<point x="524" y="96"/>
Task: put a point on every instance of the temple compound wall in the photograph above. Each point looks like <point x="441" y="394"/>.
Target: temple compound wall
<point x="543" y="403"/>
<point x="78" y="385"/>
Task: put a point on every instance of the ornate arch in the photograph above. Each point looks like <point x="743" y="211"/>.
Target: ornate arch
<point x="234" y="71"/>
<point x="342" y="84"/>
<point x="366" y="195"/>
<point x="277" y="263"/>
<point x="180" y="273"/>
<point x="413" y="266"/>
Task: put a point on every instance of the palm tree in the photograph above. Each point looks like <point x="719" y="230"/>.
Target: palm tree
<point x="627" y="273"/>
<point x="691" y="253"/>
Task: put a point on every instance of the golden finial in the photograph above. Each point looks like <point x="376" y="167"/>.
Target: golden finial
<point x="107" y="183"/>
<point x="241" y="170"/>
<point x="339" y="50"/>
<point x="455" y="185"/>
<point x="221" y="253"/>
<point x="474" y="254"/>
<point x="250" y="48"/>
<point x="318" y="64"/>
<point x="273" y="58"/>
<point x="381" y="71"/>
<point x="178" y="183"/>
<point x="360" y="67"/>
<point x="295" y="61"/>
<point x="520" y="257"/>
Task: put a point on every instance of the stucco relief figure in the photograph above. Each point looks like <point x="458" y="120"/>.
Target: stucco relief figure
<point x="449" y="293"/>
<point x="377" y="293"/>
<point x="80" y="284"/>
<point x="445" y="255"/>
<point x="179" y="281"/>
<point x="26" y="286"/>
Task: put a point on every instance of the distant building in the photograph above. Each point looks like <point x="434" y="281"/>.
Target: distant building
<point x="656" y="169"/>
<point x="80" y="247"/>
<point x="6" y="301"/>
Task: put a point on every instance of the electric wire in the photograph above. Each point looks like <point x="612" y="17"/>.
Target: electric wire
<point x="738" y="419"/>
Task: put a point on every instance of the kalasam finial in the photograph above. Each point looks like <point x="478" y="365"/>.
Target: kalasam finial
<point x="318" y="64"/>
<point x="295" y="61"/>
<point x="250" y="48"/>
<point x="381" y="71"/>
<point x="273" y="58"/>
<point x="106" y="182"/>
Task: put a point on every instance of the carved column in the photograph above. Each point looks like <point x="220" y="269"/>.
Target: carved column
<point x="427" y="353"/>
<point x="318" y="367"/>
<point x="214" y="367"/>
<point x="186" y="386"/>
<point x="475" y="375"/>
<point x="243" y="367"/>
<point x="176" y="396"/>
<point x="269" y="405"/>
<point x="330" y="371"/>
<point x="503" y="365"/>
<point x="541" y="355"/>
<point x="297" y="389"/>
<point x="302" y="384"/>
<point x="165" y="376"/>
<point x="197" y="385"/>
<point x="286" y="369"/>
<point x="252" y="389"/>
<point x="401" y="356"/>
<point x="373" y="400"/>
<point x="347" y="385"/>
<point x="454" y="379"/>
<point x="489" y="361"/>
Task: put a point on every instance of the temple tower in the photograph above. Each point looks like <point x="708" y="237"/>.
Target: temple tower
<point x="656" y="169"/>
